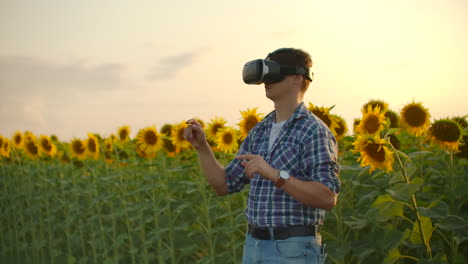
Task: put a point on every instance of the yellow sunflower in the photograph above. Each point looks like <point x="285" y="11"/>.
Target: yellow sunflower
<point x="123" y="133"/>
<point x="78" y="149"/>
<point x="31" y="147"/>
<point x="4" y="147"/>
<point x="373" y="122"/>
<point x="47" y="147"/>
<point x="393" y="118"/>
<point x="18" y="140"/>
<point x="168" y="146"/>
<point x="374" y="152"/>
<point x="250" y="118"/>
<point x="447" y="133"/>
<point x="226" y="140"/>
<point x="92" y="146"/>
<point x="342" y="127"/>
<point x="414" y="118"/>
<point x="324" y="114"/>
<point x="214" y="126"/>
<point x="178" y="139"/>
<point x="149" y="140"/>
<point x="108" y="145"/>
<point x="373" y="104"/>
<point x="356" y="123"/>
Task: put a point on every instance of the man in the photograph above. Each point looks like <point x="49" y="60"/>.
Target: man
<point x="290" y="161"/>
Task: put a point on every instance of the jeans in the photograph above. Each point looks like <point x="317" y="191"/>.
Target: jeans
<point x="304" y="250"/>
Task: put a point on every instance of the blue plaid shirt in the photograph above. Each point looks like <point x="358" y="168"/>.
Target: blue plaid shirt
<point x="306" y="149"/>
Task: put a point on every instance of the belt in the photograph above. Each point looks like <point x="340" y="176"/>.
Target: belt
<point x="281" y="233"/>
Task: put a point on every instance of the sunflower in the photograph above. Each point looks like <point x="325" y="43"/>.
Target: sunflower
<point x="414" y="118"/>
<point x="356" y="123"/>
<point x="123" y="133"/>
<point x="393" y="118"/>
<point x="214" y="126"/>
<point x="374" y="104"/>
<point x="166" y="131"/>
<point x="78" y="149"/>
<point x="342" y="127"/>
<point x="250" y="118"/>
<point x="149" y="140"/>
<point x="4" y="147"/>
<point x="447" y="133"/>
<point x="324" y="114"/>
<point x="226" y="140"/>
<point x="47" y="147"/>
<point x="178" y="139"/>
<point x="18" y="140"/>
<point x="373" y="121"/>
<point x="92" y="146"/>
<point x="28" y="135"/>
<point x="108" y="145"/>
<point x="374" y="152"/>
<point x="31" y="147"/>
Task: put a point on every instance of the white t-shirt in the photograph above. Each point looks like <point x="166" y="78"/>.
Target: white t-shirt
<point x="275" y="130"/>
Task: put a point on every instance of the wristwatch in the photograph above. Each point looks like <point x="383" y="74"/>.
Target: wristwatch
<point x="283" y="177"/>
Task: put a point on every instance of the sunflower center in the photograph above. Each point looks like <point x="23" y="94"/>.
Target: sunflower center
<point x="227" y="138"/>
<point x="324" y="117"/>
<point x="92" y="145"/>
<point x="250" y="122"/>
<point x="371" y="124"/>
<point x="123" y="134"/>
<point x="393" y="119"/>
<point x="167" y="144"/>
<point x="180" y="135"/>
<point x="446" y="131"/>
<point x="215" y="128"/>
<point x="415" y="116"/>
<point x="32" y="148"/>
<point x="375" y="151"/>
<point x="46" y="145"/>
<point x="18" y="139"/>
<point x="340" y="130"/>
<point x="78" y="147"/>
<point x="150" y="138"/>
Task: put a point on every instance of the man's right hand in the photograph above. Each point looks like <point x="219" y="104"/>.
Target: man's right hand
<point x="195" y="134"/>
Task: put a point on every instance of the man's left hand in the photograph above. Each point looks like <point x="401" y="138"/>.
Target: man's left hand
<point x="256" y="164"/>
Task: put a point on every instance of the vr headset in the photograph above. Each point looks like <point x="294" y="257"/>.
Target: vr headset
<point x="267" y="71"/>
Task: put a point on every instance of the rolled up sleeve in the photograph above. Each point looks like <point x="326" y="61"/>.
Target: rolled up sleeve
<point x="320" y="158"/>
<point x="235" y="174"/>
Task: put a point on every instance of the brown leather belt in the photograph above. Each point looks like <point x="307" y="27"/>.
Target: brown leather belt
<point x="281" y="233"/>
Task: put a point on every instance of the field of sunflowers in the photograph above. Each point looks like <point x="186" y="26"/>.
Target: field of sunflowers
<point x="118" y="199"/>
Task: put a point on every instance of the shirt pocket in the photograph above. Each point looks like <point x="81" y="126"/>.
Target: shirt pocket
<point x="287" y="157"/>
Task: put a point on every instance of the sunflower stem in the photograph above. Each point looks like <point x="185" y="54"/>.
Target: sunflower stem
<point x="415" y="205"/>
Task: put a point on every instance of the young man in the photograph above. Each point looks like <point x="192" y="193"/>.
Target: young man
<point x="290" y="161"/>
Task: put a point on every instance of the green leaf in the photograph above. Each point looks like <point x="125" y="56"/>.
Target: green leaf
<point x="452" y="222"/>
<point x="392" y="257"/>
<point x="415" y="236"/>
<point x="403" y="191"/>
<point x="436" y="210"/>
<point x="387" y="208"/>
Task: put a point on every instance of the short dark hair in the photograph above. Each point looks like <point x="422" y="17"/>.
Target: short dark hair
<point x="292" y="57"/>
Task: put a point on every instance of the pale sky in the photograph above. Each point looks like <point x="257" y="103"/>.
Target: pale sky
<point x="73" y="67"/>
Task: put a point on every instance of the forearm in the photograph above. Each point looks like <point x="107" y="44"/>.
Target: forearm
<point x="213" y="171"/>
<point x="309" y="193"/>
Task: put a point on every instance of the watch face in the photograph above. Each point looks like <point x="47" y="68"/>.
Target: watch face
<point x="284" y="175"/>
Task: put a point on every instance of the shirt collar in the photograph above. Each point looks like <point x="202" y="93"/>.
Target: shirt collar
<point x="300" y="112"/>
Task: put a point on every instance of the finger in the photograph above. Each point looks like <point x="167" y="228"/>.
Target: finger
<point x="188" y="132"/>
<point x="194" y="122"/>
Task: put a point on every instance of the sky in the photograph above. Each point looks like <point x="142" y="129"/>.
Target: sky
<point x="69" y="68"/>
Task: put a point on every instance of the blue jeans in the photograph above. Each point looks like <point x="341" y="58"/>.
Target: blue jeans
<point x="304" y="250"/>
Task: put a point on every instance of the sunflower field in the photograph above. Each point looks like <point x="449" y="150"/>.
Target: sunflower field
<point x="119" y="199"/>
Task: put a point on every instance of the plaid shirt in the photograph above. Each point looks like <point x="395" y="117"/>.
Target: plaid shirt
<point x="306" y="149"/>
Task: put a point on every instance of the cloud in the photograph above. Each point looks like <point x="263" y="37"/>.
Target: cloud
<point x="170" y="66"/>
<point x="26" y="75"/>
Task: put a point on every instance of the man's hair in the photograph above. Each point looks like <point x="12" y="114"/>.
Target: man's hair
<point x="293" y="57"/>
